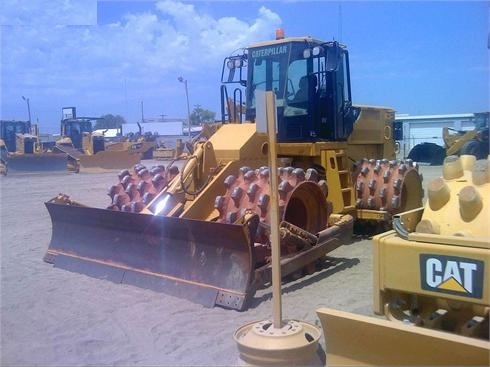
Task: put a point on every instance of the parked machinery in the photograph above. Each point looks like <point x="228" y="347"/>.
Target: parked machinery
<point x="430" y="279"/>
<point x="474" y="142"/>
<point x="78" y="147"/>
<point x="23" y="151"/>
<point x="3" y="158"/>
<point x="447" y="246"/>
<point x="87" y="150"/>
<point x="205" y="233"/>
<point x="456" y="142"/>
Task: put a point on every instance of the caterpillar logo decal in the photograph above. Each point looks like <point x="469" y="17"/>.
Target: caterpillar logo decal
<point x="453" y="275"/>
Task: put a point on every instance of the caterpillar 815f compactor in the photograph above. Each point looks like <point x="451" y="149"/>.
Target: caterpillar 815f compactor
<point x="431" y="280"/>
<point x="203" y="233"/>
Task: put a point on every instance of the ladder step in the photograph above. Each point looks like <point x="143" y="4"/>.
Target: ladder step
<point x="346" y="189"/>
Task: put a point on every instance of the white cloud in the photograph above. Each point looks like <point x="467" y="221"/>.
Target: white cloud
<point x="67" y="12"/>
<point x="175" y="36"/>
<point x="55" y="63"/>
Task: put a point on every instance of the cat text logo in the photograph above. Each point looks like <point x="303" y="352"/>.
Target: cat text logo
<point x="452" y="275"/>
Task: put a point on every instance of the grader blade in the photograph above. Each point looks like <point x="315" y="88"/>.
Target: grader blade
<point x="206" y="262"/>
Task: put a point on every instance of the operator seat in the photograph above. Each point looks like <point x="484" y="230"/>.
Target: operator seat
<point x="306" y="91"/>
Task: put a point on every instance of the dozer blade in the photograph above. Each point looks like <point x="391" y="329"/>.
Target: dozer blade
<point x="42" y="162"/>
<point x="109" y="160"/>
<point x="72" y="152"/>
<point x="206" y="262"/>
<point x="358" y="340"/>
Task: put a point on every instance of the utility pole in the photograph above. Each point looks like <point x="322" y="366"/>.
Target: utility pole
<point x="142" y="113"/>
<point x="180" y="79"/>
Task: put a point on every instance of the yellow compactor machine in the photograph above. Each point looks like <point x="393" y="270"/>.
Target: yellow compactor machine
<point x="431" y="280"/>
<point x="202" y="232"/>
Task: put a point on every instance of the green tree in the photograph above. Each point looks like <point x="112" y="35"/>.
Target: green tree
<point x="109" y="121"/>
<point x="200" y="116"/>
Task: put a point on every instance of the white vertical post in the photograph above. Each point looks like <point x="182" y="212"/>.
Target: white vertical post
<point x="271" y="117"/>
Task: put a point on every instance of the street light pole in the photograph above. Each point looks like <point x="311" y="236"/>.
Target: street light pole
<point x="28" y="108"/>
<point x="180" y="79"/>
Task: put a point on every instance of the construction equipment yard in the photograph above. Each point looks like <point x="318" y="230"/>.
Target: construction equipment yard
<point x="54" y="317"/>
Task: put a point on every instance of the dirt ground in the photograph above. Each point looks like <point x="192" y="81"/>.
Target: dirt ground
<point x="52" y="317"/>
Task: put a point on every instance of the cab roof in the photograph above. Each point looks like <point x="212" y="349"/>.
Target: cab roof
<point x="284" y="40"/>
<point x="288" y="40"/>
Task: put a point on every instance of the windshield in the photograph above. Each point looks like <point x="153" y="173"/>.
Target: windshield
<point x="283" y="70"/>
<point x="77" y="126"/>
<point x="268" y="68"/>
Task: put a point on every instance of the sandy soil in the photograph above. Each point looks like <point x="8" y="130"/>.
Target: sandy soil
<point x="57" y="318"/>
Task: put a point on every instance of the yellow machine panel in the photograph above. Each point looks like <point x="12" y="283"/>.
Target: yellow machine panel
<point x="433" y="269"/>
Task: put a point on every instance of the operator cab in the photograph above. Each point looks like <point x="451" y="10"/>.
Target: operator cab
<point x="75" y="128"/>
<point x="9" y="131"/>
<point x="311" y="82"/>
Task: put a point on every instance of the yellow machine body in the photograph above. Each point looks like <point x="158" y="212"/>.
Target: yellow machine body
<point x="23" y="151"/>
<point x="142" y="146"/>
<point x="358" y="340"/>
<point x="372" y="135"/>
<point x="205" y="227"/>
<point x="455" y="141"/>
<point x="472" y="142"/>
<point x="430" y="279"/>
<point x="436" y="265"/>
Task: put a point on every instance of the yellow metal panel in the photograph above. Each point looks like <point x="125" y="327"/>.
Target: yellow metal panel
<point x="356" y="340"/>
<point x="307" y="149"/>
<point x="449" y="217"/>
<point x="378" y="270"/>
<point x="372" y="136"/>
<point x="400" y="268"/>
<point x="239" y="141"/>
<point x="373" y="126"/>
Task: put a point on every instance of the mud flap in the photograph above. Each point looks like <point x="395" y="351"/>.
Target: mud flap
<point x="206" y="262"/>
<point x="42" y="162"/>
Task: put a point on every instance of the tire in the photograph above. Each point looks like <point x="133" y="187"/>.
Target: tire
<point x="428" y="153"/>
<point x="476" y="148"/>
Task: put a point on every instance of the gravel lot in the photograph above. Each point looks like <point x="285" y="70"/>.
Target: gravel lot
<point x="57" y="318"/>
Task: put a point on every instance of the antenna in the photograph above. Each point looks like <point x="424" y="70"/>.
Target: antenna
<point x="340" y="23"/>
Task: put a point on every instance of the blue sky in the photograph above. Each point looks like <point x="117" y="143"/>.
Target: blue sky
<point x="109" y="56"/>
